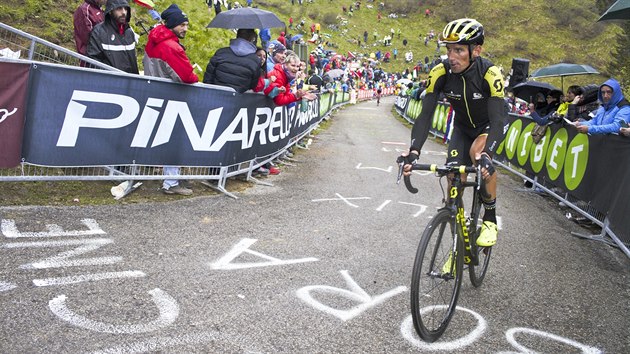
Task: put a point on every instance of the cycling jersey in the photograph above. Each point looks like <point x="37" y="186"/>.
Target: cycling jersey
<point x="476" y="96"/>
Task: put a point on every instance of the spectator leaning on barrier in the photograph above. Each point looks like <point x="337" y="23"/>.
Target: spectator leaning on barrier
<point x="112" y="41"/>
<point x="87" y="15"/>
<point x="276" y="53"/>
<point x="165" y="57"/>
<point x="284" y="74"/>
<point x="236" y="66"/>
<point x="611" y="115"/>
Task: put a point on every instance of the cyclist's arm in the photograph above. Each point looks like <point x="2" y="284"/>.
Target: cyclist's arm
<point x="420" y="130"/>
<point x="496" y="110"/>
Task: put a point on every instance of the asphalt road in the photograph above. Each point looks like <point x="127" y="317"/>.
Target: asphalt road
<point x="320" y="262"/>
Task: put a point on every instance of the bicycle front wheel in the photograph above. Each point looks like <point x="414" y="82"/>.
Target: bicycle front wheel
<point x="437" y="277"/>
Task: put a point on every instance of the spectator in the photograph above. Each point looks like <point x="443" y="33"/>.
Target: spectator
<point x="236" y="66"/>
<point x="614" y="111"/>
<point x="276" y="54"/>
<point x="314" y="80"/>
<point x="265" y="37"/>
<point x="165" y="57"/>
<point x="282" y="39"/>
<point x="217" y="6"/>
<point x="87" y="15"/>
<point x="112" y="41"/>
<point x="586" y="105"/>
<point x="284" y="74"/>
<point x="365" y="37"/>
<point x="553" y="109"/>
<point x="291" y="22"/>
<point x="395" y="53"/>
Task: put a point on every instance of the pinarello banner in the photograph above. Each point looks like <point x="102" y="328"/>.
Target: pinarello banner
<point x="13" y="88"/>
<point x="87" y="118"/>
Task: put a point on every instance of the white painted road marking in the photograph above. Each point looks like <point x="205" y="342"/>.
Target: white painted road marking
<point x="355" y="293"/>
<point x="225" y="262"/>
<point x="88" y="277"/>
<point x="9" y="230"/>
<point x="61" y="260"/>
<point x="409" y="333"/>
<point x="169" y="311"/>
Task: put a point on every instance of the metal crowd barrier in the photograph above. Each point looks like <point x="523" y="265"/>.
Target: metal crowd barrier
<point x="19" y="45"/>
<point x="584" y="209"/>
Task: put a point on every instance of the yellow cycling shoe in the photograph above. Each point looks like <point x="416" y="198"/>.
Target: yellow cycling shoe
<point x="488" y="235"/>
<point x="449" y="266"/>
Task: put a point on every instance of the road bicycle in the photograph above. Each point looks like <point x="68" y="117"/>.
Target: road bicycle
<point x="447" y="246"/>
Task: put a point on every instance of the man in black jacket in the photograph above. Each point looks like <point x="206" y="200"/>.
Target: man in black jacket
<point x="236" y="66"/>
<point x="112" y="41"/>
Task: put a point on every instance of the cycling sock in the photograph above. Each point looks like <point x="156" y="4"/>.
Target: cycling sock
<point x="490" y="211"/>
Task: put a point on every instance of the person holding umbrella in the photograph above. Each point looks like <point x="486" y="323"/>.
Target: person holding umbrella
<point x="236" y="66"/>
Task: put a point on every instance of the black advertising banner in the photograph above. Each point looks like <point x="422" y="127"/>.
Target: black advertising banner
<point x="13" y="88"/>
<point x="80" y="118"/>
<point x="593" y="168"/>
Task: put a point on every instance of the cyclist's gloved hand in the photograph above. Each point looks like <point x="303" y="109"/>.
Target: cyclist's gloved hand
<point x="486" y="162"/>
<point x="407" y="157"/>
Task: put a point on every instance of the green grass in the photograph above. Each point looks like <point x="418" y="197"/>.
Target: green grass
<point x="543" y="32"/>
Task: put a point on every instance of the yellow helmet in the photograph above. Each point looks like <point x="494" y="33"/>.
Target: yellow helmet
<point x="463" y="31"/>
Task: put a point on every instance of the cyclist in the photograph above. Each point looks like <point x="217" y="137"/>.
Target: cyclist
<point x="474" y="88"/>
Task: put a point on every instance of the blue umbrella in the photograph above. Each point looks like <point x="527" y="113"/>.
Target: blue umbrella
<point x="296" y="37"/>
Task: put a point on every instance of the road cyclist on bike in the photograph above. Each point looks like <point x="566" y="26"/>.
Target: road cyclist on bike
<point x="474" y="87"/>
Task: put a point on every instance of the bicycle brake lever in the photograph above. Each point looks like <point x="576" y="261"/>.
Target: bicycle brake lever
<point x="400" y="172"/>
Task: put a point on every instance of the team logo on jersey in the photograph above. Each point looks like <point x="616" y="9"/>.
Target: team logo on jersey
<point x="454" y="153"/>
<point x="477" y="96"/>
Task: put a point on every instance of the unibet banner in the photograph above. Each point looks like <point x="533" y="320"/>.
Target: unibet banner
<point x="83" y="118"/>
<point x="593" y="168"/>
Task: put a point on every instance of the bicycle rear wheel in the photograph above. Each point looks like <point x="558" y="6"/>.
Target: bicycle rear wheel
<point x="478" y="272"/>
<point x="436" y="277"/>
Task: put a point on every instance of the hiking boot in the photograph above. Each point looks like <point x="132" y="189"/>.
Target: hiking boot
<point x="488" y="235"/>
<point x="177" y="190"/>
<point x="449" y="266"/>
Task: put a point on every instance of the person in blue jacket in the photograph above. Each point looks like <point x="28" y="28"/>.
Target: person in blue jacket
<point x="611" y="115"/>
<point x="265" y="37"/>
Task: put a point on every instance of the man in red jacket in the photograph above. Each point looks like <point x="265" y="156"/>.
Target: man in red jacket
<point x="87" y="15"/>
<point x="165" y="57"/>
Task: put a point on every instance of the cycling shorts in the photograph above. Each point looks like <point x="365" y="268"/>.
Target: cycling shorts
<point x="461" y="142"/>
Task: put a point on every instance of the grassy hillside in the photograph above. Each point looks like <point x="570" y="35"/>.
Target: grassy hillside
<point x="543" y="32"/>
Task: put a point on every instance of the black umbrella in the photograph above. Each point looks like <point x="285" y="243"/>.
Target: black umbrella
<point x="245" y="17"/>
<point x="620" y="10"/>
<point x="527" y="90"/>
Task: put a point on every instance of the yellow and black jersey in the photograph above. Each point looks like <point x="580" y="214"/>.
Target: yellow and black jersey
<point x="476" y="96"/>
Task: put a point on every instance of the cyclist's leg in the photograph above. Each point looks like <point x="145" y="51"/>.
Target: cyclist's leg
<point x="489" y="229"/>
<point x="458" y="148"/>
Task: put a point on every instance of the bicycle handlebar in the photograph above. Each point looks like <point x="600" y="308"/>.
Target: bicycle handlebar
<point x="440" y="170"/>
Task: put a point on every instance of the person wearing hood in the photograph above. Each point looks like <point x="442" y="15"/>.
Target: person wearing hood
<point x="112" y="41"/>
<point x="165" y="57"/>
<point x="236" y="66"/>
<point x="611" y="115"/>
